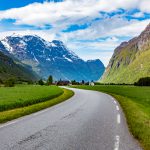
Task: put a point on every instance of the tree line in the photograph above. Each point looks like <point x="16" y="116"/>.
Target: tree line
<point x="11" y="82"/>
<point x="48" y="82"/>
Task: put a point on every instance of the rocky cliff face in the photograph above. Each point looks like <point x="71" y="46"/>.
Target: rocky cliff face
<point x="130" y="61"/>
<point x="51" y="58"/>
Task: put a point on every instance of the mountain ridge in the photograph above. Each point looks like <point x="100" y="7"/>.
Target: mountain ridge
<point x="51" y="58"/>
<point x="130" y="61"/>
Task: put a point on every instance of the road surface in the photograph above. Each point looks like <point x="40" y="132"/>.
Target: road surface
<point x="89" y="120"/>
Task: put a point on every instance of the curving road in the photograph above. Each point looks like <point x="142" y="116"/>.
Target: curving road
<point x="89" y="120"/>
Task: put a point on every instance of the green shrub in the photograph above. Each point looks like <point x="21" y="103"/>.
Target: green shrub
<point x="40" y="82"/>
<point x="1" y="81"/>
<point x="9" y="83"/>
<point x="143" y="82"/>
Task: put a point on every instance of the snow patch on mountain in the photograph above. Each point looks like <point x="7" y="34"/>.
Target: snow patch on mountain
<point x="67" y="58"/>
<point x="6" y="45"/>
<point x="53" y="45"/>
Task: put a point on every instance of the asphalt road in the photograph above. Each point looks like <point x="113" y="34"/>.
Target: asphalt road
<point x="89" y="120"/>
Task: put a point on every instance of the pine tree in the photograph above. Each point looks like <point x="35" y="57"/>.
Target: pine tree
<point x="50" y="80"/>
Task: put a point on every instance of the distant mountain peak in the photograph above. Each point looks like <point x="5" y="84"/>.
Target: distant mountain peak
<point x="53" y="58"/>
<point x="94" y="60"/>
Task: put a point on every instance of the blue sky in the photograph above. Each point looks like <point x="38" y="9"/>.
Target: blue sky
<point x="90" y="28"/>
<point x="7" y="4"/>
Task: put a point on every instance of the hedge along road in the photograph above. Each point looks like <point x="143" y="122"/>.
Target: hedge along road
<point x="89" y="120"/>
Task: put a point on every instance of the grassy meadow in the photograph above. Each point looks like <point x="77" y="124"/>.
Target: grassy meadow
<point x="135" y="102"/>
<point x="19" y="112"/>
<point x="25" y="95"/>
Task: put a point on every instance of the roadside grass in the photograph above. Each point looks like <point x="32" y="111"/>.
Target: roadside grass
<point x="135" y="102"/>
<point x="19" y="112"/>
<point x="25" y="95"/>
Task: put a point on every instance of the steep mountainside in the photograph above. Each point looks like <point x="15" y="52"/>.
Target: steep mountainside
<point x="10" y="69"/>
<point x="130" y="61"/>
<point x="51" y="58"/>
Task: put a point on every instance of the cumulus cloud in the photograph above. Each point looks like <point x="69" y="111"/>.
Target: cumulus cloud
<point x="68" y="11"/>
<point x="108" y="28"/>
<point x="56" y="14"/>
<point x="130" y="30"/>
<point x="61" y="15"/>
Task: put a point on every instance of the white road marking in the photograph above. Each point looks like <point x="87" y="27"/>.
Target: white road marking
<point x="39" y="112"/>
<point x="117" y="138"/>
<point x="118" y="118"/>
<point x="117" y="107"/>
<point x="13" y="122"/>
<point x="115" y="102"/>
<point x="10" y="123"/>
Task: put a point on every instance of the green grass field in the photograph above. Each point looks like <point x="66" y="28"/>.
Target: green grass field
<point x="20" y="96"/>
<point x="135" y="102"/>
<point x="19" y="112"/>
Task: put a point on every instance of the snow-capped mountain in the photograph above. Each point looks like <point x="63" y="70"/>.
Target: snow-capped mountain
<point x="51" y="58"/>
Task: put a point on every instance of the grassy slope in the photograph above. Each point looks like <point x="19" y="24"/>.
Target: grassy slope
<point x="19" y="96"/>
<point x="10" y="69"/>
<point x="135" y="102"/>
<point x="19" y="112"/>
<point x="140" y="67"/>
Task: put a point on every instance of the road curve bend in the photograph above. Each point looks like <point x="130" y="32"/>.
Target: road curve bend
<point x="89" y="120"/>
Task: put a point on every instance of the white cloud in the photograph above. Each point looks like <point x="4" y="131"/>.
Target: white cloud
<point x="102" y="49"/>
<point x="68" y="12"/>
<point x="130" y="30"/>
<point x="56" y="14"/>
<point x="44" y="34"/>
<point x="108" y="28"/>
<point x="144" y="5"/>
<point x="138" y="15"/>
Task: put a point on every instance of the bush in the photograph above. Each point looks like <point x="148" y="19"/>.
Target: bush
<point x="143" y="82"/>
<point x="74" y="82"/>
<point x="1" y="81"/>
<point x="40" y="82"/>
<point x="30" y="82"/>
<point x="98" y="83"/>
<point x="9" y="83"/>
